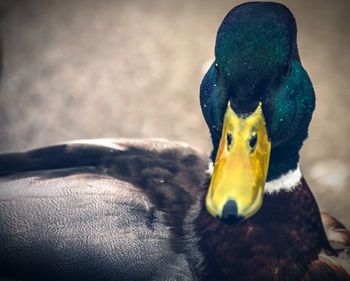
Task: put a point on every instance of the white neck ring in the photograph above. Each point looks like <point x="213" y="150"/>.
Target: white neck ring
<point x="286" y="182"/>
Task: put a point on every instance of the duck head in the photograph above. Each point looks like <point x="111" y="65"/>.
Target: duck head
<point x="257" y="100"/>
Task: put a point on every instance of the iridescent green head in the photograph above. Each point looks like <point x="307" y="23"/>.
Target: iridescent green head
<point x="256" y="65"/>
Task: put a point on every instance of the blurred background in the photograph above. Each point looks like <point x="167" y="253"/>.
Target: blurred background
<point x="90" y="69"/>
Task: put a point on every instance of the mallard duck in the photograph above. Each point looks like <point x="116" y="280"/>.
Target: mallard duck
<point x="152" y="210"/>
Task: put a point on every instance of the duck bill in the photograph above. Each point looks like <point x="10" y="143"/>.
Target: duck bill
<point x="237" y="184"/>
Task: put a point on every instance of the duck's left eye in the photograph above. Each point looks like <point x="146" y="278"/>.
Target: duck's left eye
<point x="287" y="68"/>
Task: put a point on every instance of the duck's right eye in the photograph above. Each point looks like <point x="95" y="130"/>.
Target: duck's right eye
<point x="287" y="68"/>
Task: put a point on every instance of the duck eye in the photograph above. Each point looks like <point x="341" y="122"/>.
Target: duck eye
<point x="253" y="141"/>
<point x="287" y="68"/>
<point x="229" y="140"/>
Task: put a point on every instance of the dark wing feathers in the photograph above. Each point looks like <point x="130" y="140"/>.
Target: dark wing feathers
<point x="97" y="212"/>
<point x="339" y="238"/>
<point x="326" y="268"/>
<point x="82" y="227"/>
<point x="337" y="234"/>
<point x="54" y="157"/>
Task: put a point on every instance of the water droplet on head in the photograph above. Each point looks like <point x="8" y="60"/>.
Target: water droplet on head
<point x="160" y="180"/>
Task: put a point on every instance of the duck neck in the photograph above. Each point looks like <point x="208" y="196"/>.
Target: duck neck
<point x="285" y="155"/>
<point x="283" y="159"/>
<point x="283" y="238"/>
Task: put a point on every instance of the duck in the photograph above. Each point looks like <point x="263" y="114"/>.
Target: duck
<point x="152" y="209"/>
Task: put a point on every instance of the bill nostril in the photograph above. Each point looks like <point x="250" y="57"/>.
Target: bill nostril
<point x="253" y="141"/>
<point x="229" y="140"/>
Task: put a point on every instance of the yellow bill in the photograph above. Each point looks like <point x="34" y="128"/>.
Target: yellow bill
<point x="237" y="184"/>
